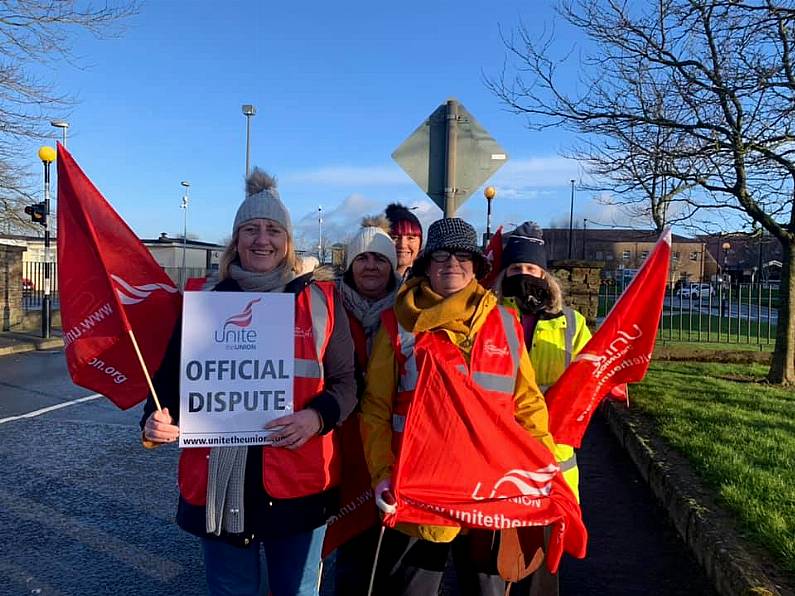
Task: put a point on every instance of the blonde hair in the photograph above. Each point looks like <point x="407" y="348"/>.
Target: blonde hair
<point x="230" y="255"/>
<point x="555" y="293"/>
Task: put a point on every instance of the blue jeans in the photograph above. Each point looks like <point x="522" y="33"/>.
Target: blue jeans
<point x="290" y="566"/>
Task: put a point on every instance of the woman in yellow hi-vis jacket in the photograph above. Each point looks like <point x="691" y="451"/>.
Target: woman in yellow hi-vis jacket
<point x="554" y="334"/>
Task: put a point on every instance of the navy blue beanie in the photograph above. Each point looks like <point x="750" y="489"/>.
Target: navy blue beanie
<point x="525" y="245"/>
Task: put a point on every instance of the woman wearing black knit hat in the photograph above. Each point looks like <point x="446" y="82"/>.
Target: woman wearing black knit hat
<point x="554" y="334"/>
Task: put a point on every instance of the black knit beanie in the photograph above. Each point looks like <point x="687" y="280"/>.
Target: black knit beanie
<point x="525" y="245"/>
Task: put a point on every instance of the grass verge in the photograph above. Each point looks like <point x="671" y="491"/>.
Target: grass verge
<point x="739" y="435"/>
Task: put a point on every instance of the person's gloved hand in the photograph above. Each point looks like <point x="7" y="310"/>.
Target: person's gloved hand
<point x="384" y="498"/>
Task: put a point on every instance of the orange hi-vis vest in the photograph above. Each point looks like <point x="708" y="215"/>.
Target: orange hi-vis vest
<point x="493" y="361"/>
<point x="313" y="467"/>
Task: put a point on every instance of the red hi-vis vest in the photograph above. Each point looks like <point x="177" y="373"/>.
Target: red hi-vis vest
<point x="493" y="362"/>
<point x="314" y="467"/>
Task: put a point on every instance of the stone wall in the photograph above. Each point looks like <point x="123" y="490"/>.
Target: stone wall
<point x="10" y="286"/>
<point x="580" y="281"/>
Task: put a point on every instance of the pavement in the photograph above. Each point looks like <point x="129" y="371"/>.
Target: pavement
<point x="16" y="343"/>
<point x="735" y="567"/>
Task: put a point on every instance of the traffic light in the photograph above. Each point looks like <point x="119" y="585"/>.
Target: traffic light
<point x="37" y="213"/>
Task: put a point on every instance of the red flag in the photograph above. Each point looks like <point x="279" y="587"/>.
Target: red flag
<point x="493" y="253"/>
<point x="109" y="284"/>
<point x="466" y="462"/>
<point x="619" y="352"/>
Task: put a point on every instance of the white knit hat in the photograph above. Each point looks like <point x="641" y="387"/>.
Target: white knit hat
<point x="371" y="239"/>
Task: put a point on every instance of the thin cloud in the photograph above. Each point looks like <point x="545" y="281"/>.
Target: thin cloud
<point x="351" y="176"/>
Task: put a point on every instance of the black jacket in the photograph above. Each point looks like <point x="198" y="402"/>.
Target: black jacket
<point x="265" y="515"/>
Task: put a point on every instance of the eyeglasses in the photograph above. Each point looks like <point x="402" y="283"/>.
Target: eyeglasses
<point x="442" y="256"/>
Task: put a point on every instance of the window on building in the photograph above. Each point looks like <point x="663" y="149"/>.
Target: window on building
<point x="644" y="255"/>
<point x="625" y="255"/>
<point x="600" y="255"/>
<point x="676" y="256"/>
<point x="609" y="256"/>
<point x="694" y="255"/>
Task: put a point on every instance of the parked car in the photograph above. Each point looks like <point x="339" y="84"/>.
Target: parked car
<point x="696" y="291"/>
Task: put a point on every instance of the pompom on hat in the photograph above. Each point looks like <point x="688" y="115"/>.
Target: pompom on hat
<point x="525" y="245"/>
<point x="262" y="202"/>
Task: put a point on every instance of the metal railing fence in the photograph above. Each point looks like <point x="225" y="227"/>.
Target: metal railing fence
<point x="742" y="313"/>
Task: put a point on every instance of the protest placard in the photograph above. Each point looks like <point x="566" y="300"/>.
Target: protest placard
<point x="236" y="369"/>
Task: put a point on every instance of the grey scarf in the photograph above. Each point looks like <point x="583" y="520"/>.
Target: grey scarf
<point x="227" y="465"/>
<point x="366" y="311"/>
<point x="272" y="281"/>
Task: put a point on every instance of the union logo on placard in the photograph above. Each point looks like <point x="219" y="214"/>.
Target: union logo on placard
<point x="235" y="332"/>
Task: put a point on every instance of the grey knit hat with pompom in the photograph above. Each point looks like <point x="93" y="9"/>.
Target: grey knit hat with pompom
<point x="262" y="202"/>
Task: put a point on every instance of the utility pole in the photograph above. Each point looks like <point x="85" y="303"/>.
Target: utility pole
<point x="571" y="222"/>
<point x="184" y="276"/>
<point x="320" y="234"/>
<point x="450" y="152"/>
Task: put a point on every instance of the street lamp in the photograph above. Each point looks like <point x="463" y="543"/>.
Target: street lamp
<point x="183" y="277"/>
<point x="320" y="234"/>
<point x="571" y="221"/>
<point x="248" y="111"/>
<point x="584" y="233"/>
<point x="489" y="192"/>
<point x="63" y="125"/>
<point x="47" y="156"/>
<point x="725" y="246"/>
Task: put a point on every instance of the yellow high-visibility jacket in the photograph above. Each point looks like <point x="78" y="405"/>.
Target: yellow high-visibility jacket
<point x="554" y="345"/>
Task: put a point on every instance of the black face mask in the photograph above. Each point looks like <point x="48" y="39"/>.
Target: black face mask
<point x="530" y="292"/>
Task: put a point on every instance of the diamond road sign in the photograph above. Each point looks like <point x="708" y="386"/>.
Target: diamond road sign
<point x="423" y="156"/>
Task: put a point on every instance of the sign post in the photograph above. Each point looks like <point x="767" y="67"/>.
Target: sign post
<point x="449" y="156"/>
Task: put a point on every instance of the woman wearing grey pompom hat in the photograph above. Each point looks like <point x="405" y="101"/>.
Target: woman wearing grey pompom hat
<point x="243" y="501"/>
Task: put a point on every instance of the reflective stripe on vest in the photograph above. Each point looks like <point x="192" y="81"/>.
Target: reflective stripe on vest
<point x="508" y="319"/>
<point x="313" y="369"/>
<point x="309" y="369"/>
<point x="488" y="381"/>
<point x="571" y="331"/>
<point x="568" y="464"/>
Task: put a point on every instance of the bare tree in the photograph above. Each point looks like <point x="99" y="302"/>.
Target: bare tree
<point x="35" y="33"/>
<point x="716" y="75"/>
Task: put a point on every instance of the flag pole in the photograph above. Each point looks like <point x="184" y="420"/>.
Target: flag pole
<point x="146" y="372"/>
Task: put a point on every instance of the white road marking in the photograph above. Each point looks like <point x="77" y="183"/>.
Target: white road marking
<point x="50" y="408"/>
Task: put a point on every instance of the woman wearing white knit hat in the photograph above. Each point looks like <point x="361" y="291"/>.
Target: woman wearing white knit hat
<point x="367" y="288"/>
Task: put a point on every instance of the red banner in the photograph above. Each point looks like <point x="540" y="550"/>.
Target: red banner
<point x="466" y="462"/>
<point x="619" y="352"/>
<point x="109" y="283"/>
<point x="493" y="252"/>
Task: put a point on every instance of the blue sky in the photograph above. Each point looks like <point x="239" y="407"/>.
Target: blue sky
<point x="337" y="86"/>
